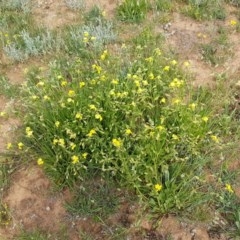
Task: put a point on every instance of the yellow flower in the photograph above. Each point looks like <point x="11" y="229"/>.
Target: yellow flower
<point x="29" y="132"/>
<point x="140" y="90"/>
<point x="40" y="161"/>
<point x="34" y="97"/>
<point x="116" y="143"/>
<point x="98" y="116"/>
<point x="93" y="82"/>
<point x="71" y="93"/>
<point x="9" y="146"/>
<point x="46" y="98"/>
<point x="78" y="116"/>
<point x="85" y="40"/>
<point x="205" y="118"/>
<point x="62" y="105"/>
<point x="175" y="137"/>
<point x="75" y="159"/>
<point x="2" y="114"/>
<point x="91" y="133"/>
<point x="145" y="83"/>
<point x="160" y="127"/>
<point x="25" y="71"/>
<point x="215" y="138"/>
<point x="233" y="22"/>
<point x="97" y="68"/>
<point x="81" y="84"/>
<point x="114" y="81"/>
<point x="151" y="133"/>
<point x="186" y="64"/>
<point x="57" y="123"/>
<point x="192" y="106"/>
<point x="176" y="101"/>
<point x="70" y="100"/>
<point x="61" y="142"/>
<point x="151" y="76"/>
<point x="92" y="107"/>
<point x="128" y="131"/>
<point x="174" y="62"/>
<point x="73" y="145"/>
<point x="137" y="83"/>
<point x="176" y="83"/>
<point x="129" y="76"/>
<point x="103" y="13"/>
<point x="112" y="93"/>
<point x="86" y="34"/>
<point x="20" y="145"/>
<point x="104" y="55"/>
<point x="158" y="187"/>
<point x="163" y="100"/>
<point x="55" y="141"/>
<point x="40" y="83"/>
<point x="123" y="46"/>
<point x="228" y="187"/>
<point x="84" y="155"/>
<point x="63" y="83"/>
<point x="157" y="51"/>
<point x="166" y="68"/>
<point x="103" y="78"/>
<point x="149" y="59"/>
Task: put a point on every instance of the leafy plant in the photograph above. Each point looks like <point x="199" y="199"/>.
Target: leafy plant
<point x="5" y="217"/>
<point x="163" y="5"/>
<point x="96" y="198"/>
<point x="218" y="49"/>
<point x="75" y="4"/>
<point x="7" y="89"/>
<point x="234" y="2"/>
<point x="36" y="235"/>
<point x="87" y="38"/>
<point x="23" y="5"/>
<point x="133" y="10"/>
<point x="228" y="206"/>
<point x="27" y="45"/>
<point x="93" y="16"/>
<point x="132" y="122"/>
<point x="205" y="9"/>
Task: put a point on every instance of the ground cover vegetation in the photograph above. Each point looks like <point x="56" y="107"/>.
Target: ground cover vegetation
<point x="123" y="111"/>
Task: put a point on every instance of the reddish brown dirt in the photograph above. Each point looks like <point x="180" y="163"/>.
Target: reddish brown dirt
<point x="31" y="203"/>
<point x="7" y="132"/>
<point x="53" y="14"/>
<point x="185" y="35"/>
<point x="8" y="125"/>
<point x="108" y="6"/>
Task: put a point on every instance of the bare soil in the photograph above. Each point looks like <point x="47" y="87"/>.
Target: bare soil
<point x="32" y="203"/>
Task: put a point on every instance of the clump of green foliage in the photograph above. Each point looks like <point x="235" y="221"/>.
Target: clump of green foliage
<point x="205" y="9"/>
<point x="5" y="217"/>
<point x="132" y="122"/>
<point x="133" y="10"/>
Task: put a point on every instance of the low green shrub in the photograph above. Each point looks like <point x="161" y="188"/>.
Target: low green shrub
<point x="205" y="9"/>
<point x="133" y="10"/>
<point x="137" y="123"/>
